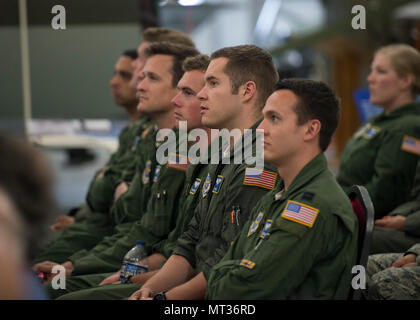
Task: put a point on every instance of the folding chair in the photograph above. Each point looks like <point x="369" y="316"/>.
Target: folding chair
<point x="365" y="212"/>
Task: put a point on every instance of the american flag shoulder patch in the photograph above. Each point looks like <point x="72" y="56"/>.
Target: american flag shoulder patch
<point x="300" y="213"/>
<point x="260" y="178"/>
<point x="411" y="144"/>
<point x="178" y="161"/>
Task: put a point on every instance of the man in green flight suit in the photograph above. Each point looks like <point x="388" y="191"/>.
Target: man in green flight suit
<point x="301" y="240"/>
<point x="238" y="80"/>
<point x="161" y="73"/>
<point x="187" y="108"/>
<point x="84" y="236"/>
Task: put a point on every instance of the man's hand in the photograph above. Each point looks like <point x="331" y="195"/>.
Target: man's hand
<point x="114" y="279"/>
<point x="122" y="187"/>
<point x="142" y="294"/>
<point x="408" y="260"/>
<point x="45" y="267"/>
<point x="68" y="266"/>
<point x="393" y="222"/>
<point x="62" y="222"/>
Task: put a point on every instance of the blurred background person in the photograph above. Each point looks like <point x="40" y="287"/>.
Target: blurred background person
<point x="26" y="205"/>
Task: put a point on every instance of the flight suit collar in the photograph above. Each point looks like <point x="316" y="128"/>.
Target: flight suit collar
<point x="246" y="143"/>
<point x="311" y="170"/>
<point x="412" y="108"/>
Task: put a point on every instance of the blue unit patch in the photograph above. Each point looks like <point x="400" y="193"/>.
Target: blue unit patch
<point x="157" y="171"/>
<point x="218" y="184"/>
<point x="195" y="186"/>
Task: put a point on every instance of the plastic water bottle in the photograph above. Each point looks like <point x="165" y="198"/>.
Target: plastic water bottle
<point x="131" y="264"/>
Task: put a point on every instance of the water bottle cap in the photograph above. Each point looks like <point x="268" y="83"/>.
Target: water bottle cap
<point x="140" y="243"/>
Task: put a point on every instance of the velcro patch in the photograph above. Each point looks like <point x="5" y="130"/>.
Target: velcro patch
<point x="218" y="184"/>
<point x="207" y="185"/>
<point x="254" y="226"/>
<point x="260" y="178"/>
<point x="370" y="132"/>
<point x="195" y="186"/>
<point x="411" y="144"/>
<point x="178" y="162"/>
<point x="157" y="171"/>
<point x="247" y="264"/>
<point x="300" y="213"/>
<point x="308" y="196"/>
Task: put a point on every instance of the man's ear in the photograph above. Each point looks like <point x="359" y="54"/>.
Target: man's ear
<point x="313" y="128"/>
<point x="248" y="90"/>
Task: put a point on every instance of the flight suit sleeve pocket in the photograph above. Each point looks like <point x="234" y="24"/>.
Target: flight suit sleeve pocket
<point x="289" y="226"/>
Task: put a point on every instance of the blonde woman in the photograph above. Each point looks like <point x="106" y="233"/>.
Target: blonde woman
<point x="383" y="154"/>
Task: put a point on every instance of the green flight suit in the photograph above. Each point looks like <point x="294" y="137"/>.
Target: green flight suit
<point x="226" y="190"/>
<point x="377" y="158"/>
<point x="229" y="194"/>
<point x="386" y="240"/>
<point x="86" y="287"/>
<point x="130" y="206"/>
<point x="301" y="244"/>
<point x="84" y="235"/>
<point x="101" y="190"/>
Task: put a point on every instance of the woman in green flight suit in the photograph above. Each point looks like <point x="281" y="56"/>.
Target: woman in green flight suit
<point x="383" y="154"/>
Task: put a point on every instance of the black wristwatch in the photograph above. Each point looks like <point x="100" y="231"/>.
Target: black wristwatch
<point x="159" y="296"/>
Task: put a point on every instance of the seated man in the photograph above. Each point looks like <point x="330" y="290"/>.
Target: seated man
<point x="161" y="73"/>
<point x="125" y="96"/>
<point x="301" y="239"/>
<point x="394" y="276"/>
<point x="187" y="108"/>
<point x="238" y="80"/>
<point x="400" y="229"/>
<point x="125" y="202"/>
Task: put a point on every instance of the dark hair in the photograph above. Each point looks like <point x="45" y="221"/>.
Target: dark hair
<point x="131" y="53"/>
<point x="158" y="34"/>
<point x="249" y="63"/>
<point x="316" y="101"/>
<point x="177" y="51"/>
<point x="199" y="62"/>
<point x="25" y="177"/>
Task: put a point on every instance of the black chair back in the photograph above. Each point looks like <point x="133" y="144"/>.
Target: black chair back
<point x="365" y="213"/>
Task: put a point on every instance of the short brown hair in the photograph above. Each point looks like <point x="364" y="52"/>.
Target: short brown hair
<point x="199" y="62"/>
<point x="316" y="100"/>
<point x="177" y="51"/>
<point x="249" y="63"/>
<point x="158" y="34"/>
